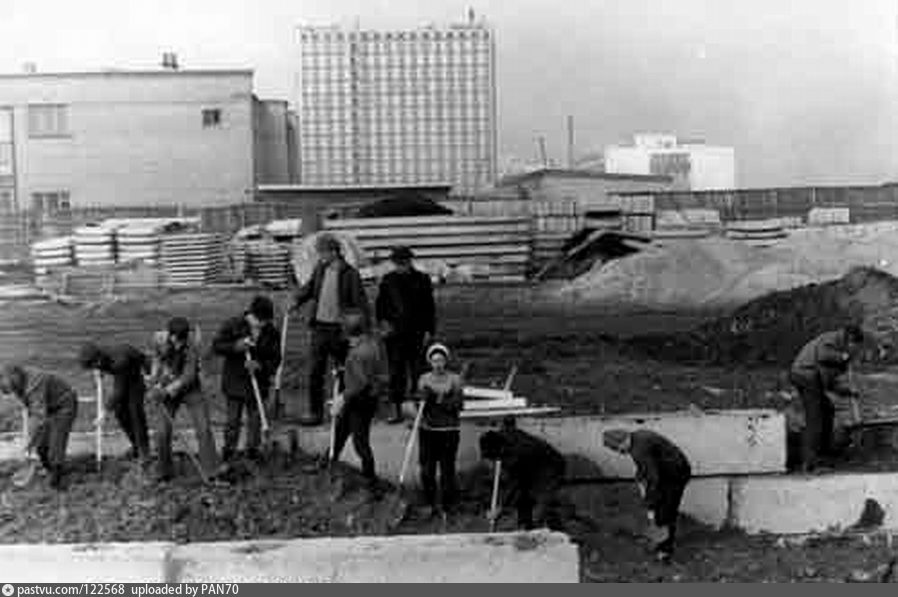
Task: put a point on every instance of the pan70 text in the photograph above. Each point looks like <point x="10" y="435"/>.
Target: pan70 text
<point x="188" y="590"/>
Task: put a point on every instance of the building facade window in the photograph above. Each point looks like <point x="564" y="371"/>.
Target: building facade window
<point x="48" y="120"/>
<point x="51" y="202"/>
<point x="211" y="118"/>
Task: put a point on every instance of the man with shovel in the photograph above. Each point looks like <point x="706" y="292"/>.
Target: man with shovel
<point x="175" y="381"/>
<point x="52" y="406"/>
<point x="250" y="346"/>
<point x="662" y="473"/>
<point x="819" y="372"/>
<point x="533" y="473"/>
<point x="365" y="380"/>
<point x="127" y="366"/>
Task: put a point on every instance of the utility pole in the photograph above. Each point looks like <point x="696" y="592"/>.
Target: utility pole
<point x="570" y="142"/>
<point x="542" y="151"/>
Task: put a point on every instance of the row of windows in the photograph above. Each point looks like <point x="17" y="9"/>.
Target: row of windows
<point x="52" y="120"/>
<point x="340" y="36"/>
<point x="399" y="70"/>
<point x="377" y="54"/>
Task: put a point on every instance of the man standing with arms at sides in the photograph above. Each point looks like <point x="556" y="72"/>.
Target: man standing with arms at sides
<point x="334" y="289"/>
<point x="406" y="313"/>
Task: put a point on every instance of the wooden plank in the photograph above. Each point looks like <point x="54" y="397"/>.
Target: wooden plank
<point x="486" y="393"/>
<point x="421" y="221"/>
<point x="514" y="254"/>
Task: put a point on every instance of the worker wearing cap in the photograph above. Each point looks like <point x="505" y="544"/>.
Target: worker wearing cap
<point x="52" y="406"/>
<point x="334" y="288"/>
<point x="532" y="474"/>
<point x="442" y="399"/>
<point x="662" y="472"/>
<point x="364" y="383"/>
<point x="406" y="313"/>
<point x="253" y="334"/>
<point x="174" y="381"/>
<point x="820" y="369"/>
<point x="127" y="366"/>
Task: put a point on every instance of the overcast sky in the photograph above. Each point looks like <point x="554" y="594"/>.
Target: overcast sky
<point x="804" y="90"/>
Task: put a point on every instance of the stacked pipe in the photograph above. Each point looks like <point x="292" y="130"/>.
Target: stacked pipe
<point x="95" y="246"/>
<point x="52" y="254"/>
<point x="191" y="259"/>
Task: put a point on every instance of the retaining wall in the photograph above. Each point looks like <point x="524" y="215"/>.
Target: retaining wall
<point x="536" y="557"/>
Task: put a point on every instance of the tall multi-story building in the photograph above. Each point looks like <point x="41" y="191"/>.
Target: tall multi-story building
<point x="137" y="138"/>
<point x="398" y="107"/>
<point x="693" y="165"/>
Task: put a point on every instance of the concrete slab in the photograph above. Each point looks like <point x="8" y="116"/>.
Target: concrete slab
<point x="717" y="443"/>
<point x="808" y="504"/>
<point x="107" y="562"/>
<point x="538" y="557"/>
<point x="707" y="501"/>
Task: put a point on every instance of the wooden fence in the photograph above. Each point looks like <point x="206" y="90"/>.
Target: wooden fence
<point x="497" y="248"/>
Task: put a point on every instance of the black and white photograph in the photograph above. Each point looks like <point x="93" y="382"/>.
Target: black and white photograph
<point x="461" y="291"/>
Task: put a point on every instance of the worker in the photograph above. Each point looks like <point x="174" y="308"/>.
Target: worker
<point x="52" y="406"/>
<point x="127" y="365"/>
<point x="334" y="288"/>
<point x="821" y="369"/>
<point x="174" y="381"/>
<point x="406" y="314"/>
<point x="532" y="474"/>
<point x="440" y="392"/>
<point x="662" y="473"/>
<point x="365" y="380"/>
<point x="255" y="335"/>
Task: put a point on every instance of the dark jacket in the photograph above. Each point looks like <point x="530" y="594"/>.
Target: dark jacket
<point x="660" y="465"/>
<point x="405" y="301"/>
<point x="527" y="460"/>
<point x="175" y="371"/>
<point x="45" y="396"/>
<point x="366" y="374"/>
<point x="235" y="379"/>
<point x="443" y="402"/>
<point x="350" y="288"/>
<point x="823" y="360"/>
<point x="127" y="365"/>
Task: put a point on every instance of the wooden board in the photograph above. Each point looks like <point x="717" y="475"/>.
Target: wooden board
<point x="530" y="411"/>
<point x="449" y="241"/>
<point x="522" y="252"/>
<point x="439" y="232"/>
<point x="486" y="393"/>
<point x="507" y="404"/>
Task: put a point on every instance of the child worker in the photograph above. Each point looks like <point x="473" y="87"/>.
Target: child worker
<point x="440" y="393"/>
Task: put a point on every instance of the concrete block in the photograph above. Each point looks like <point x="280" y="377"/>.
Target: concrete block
<point x="106" y="562"/>
<point x="807" y="504"/>
<point x="717" y="442"/>
<point x="538" y="557"/>
<point x="707" y="501"/>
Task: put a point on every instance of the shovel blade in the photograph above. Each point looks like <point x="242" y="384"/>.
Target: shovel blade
<point x="23" y="476"/>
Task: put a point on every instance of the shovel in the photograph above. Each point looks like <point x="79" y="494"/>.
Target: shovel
<point x="263" y="416"/>
<point x="494" y="500"/>
<point x="278" y="404"/>
<point x="332" y="444"/>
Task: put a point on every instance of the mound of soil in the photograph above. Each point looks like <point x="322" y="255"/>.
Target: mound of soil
<point x="773" y="328"/>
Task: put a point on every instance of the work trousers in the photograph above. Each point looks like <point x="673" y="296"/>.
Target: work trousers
<point x="355" y="421"/>
<point x="53" y="437"/>
<point x="538" y="501"/>
<point x="405" y="354"/>
<point x="236" y="406"/>
<point x="131" y="415"/>
<point x="328" y="343"/>
<point x="198" y="409"/>
<point x="666" y="511"/>
<point x="819" y="415"/>
<point x="438" y="449"/>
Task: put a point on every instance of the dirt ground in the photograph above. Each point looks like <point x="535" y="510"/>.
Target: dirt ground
<point x="567" y="355"/>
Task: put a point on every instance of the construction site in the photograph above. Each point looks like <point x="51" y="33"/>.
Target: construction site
<point x="689" y="331"/>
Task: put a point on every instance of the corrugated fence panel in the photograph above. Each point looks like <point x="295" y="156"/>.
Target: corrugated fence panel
<point x="500" y="247"/>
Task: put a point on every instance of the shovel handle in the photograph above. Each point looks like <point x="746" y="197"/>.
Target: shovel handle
<point x="280" y="372"/>
<point x="410" y="445"/>
<point x="258" y="394"/>
<point x="333" y="431"/>
<point x="494" y="500"/>
<point x="98" y="380"/>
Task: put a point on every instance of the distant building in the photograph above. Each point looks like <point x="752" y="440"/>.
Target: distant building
<point x="138" y="138"/>
<point x="585" y="188"/>
<point x="398" y="107"/>
<point x="694" y="166"/>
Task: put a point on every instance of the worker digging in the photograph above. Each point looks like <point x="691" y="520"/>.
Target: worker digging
<point x="249" y="346"/>
<point x="662" y="473"/>
<point x="128" y="366"/>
